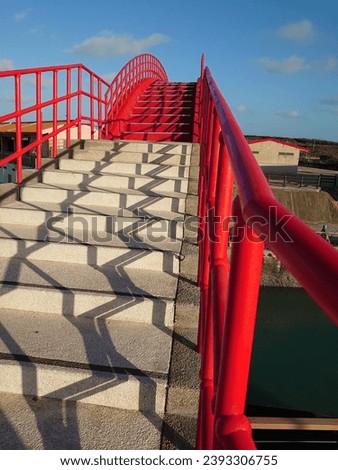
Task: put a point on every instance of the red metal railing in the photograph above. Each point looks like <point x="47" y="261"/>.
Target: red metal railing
<point x="77" y="96"/>
<point x="60" y="94"/>
<point x="139" y="69"/>
<point x="230" y="284"/>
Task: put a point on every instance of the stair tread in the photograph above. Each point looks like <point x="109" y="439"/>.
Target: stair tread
<point x="99" y="172"/>
<point x="121" y="145"/>
<point x="63" y="208"/>
<point x="127" y="347"/>
<point x="96" y="305"/>
<point x="114" y="183"/>
<point x="118" y="279"/>
<point x="151" y="170"/>
<point x="47" y="424"/>
<point x="24" y="232"/>
<point x="87" y="188"/>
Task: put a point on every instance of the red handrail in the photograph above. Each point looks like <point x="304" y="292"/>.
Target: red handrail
<point x="69" y="106"/>
<point x="73" y="115"/>
<point x="138" y="69"/>
<point x="230" y="286"/>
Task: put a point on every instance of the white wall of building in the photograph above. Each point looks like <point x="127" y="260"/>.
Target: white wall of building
<point x="275" y="157"/>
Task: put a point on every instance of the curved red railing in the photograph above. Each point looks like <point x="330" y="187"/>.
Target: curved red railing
<point x="77" y="96"/>
<point x="68" y="88"/>
<point x="139" y="69"/>
<point x="230" y="289"/>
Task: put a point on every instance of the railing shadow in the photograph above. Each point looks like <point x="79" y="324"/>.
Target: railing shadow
<point x="94" y="383"/>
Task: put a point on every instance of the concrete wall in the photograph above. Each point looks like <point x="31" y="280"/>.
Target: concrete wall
<point x="313" y="207"/>
<point x="276" y="157"/>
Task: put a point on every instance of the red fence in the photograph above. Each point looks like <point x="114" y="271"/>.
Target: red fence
<point x="230" y="284"/>
<point x="68" y="96"/>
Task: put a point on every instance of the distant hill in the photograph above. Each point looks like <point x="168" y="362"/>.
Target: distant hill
<point x="322" y="153"/>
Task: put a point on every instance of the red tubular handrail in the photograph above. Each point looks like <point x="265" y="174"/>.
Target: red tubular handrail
<point x="58" y="99"/>
<point x="105" y="102"/>
<point x="229" y="295"/>
<point x="137" y="70"/>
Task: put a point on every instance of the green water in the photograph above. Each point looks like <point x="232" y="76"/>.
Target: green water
<point x="295" y="354"/>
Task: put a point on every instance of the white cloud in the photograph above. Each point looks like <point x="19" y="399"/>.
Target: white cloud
<point x="241" y="108"/>
<point x="109" y="77"/>
<point x="21" y="15"/>
<point x="289" y="114"/>
<point x="330" y="101"/>
<point x="6" y="64"/>
<point x="330" y="64"/>
<point x="108" y="44"/>
<point x="293" y="64"/>
<point x="300" y="32"/>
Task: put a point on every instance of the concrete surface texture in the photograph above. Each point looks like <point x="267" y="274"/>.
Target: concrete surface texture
<point x="93" y="261"/>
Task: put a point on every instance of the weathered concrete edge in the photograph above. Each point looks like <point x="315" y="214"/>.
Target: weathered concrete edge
<point x="10" y="192"/>
<point x="179" y="424"/>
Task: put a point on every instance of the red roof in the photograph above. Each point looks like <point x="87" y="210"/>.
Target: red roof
<point x="304" y="149"/>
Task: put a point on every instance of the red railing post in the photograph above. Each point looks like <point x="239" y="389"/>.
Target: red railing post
<point x="55" y="112"/>
<point x="206" y="313"/>
<point x="38" y="85"/>
<point x="18" y="128"/>
<point x="79" y="102"/>
<point x="68" y="104"/>
<point x="231" y="425"/>
<point x="92" y="129"/>
<point x="219" y="272"/>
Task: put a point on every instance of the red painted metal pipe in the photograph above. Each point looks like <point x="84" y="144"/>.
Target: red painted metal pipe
<point x="307" y="256"/>
<point x="239" y="326"/>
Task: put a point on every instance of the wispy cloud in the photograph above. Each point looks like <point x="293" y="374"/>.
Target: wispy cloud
<point x="330" y="101"/>
<point x="327" y="65"/>
<point x="293" y="64"/>
<point x="289" y="114"/>
<point x="22" y="14"/>
<point x="6" y="64"/>
<point x="108" y="44"/>
<point x="241" y="108"/>
<point x="303" y="31"/>
<point x="330" y="105"/>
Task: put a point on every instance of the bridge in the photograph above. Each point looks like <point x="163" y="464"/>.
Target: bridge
<point x="100" y="244"/>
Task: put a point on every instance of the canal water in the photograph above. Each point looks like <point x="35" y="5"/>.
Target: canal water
<point x="295" y="354"/>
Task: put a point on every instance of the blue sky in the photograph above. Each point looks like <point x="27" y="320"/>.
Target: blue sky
<point x="276" y="62"/>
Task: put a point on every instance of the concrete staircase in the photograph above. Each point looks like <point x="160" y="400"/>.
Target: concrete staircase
<point x="90" y="260"/>
<point x="163" y="112"/>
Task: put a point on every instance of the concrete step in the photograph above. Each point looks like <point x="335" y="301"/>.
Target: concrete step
<point x="118" y="364"/>
<point x="97" y="239"/>
<point x="118" y="279"/>
<point x="50" y="424"/>
<point x="158" y="127"/>
<point x="165" y="109"/>
<point x="165" y="100"/>
<point x="127" y="200"/>
<point x="101" y="306"/>
<point x="160" y="117"/>
<point x="99" y="180"/>
<point x="163" y="261"/>
<point x="158" y="136"/>
<point x="72" y="219"/>
<point x="185" y="94"/>
<point x="89" y="161"/>
<point x="167" y="147"/>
